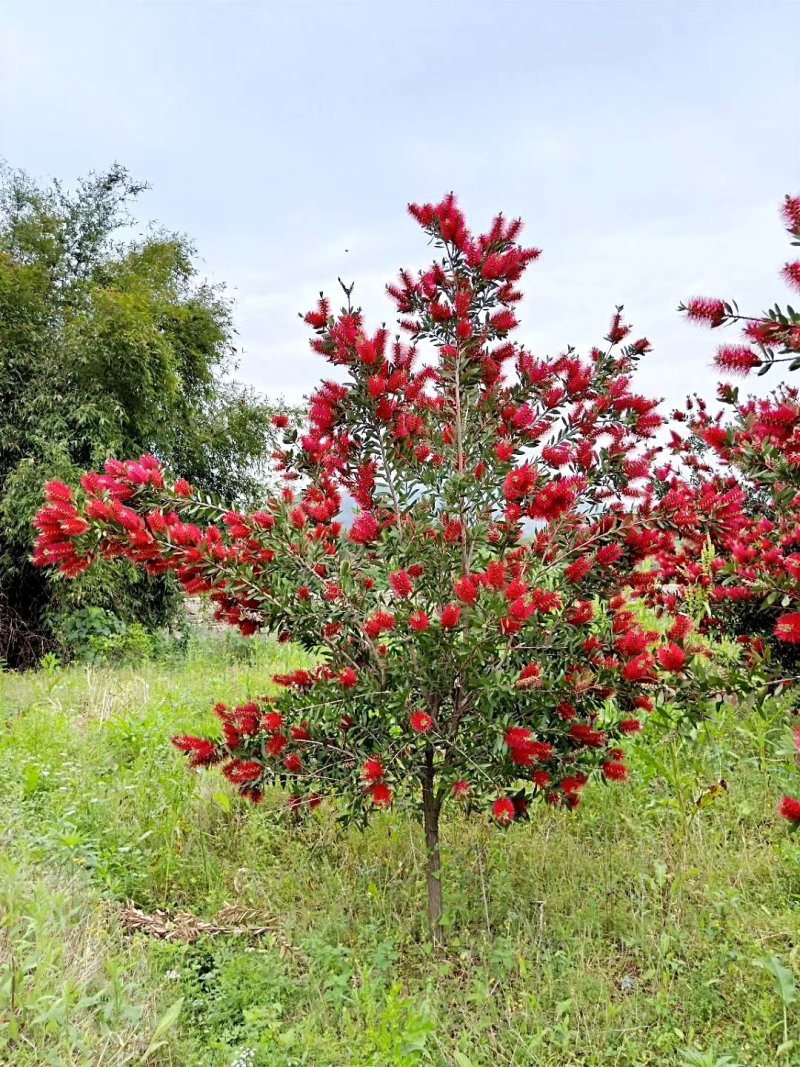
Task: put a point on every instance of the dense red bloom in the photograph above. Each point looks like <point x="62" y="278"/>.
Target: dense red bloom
<point x="242" y="771"/>
<point x="365" y="529"/>
<point x="466" y="590"/>
<point x="378" y="623"/>
<point x="703" y="309"/>
<point x="789" y="808"/>
<point x="418" y="621"/>
<point x="791" y="274"/>
<point x="671" y="658"/>
<point x="276" y="744"/>
<point x="503" y="810"/>
<point x="736" y="359"/>
<point x="201" y="753"/>
<point x="373" y="770"/>
<point x="587" y="735"/>
<point x="420" y="722"/>
<point x="348" y="678"/>
<point x="401" y="582"/>
<point x="293" y="763"/>
<point x="272" y="721"/>
<point x="382" y="795"/>
<point x="461" y="788"/>
<point x="787" y="628"/>
<point x="451" y="615"/>
<point x="529" y="677"/>
<point x="630" y="726"/>
<point x="615" y="771"/>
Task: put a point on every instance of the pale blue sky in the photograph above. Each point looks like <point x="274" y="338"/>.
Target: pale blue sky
<point x="646" y="144"/>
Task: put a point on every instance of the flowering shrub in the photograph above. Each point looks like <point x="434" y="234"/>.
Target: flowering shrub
<point x="474" y="626"/>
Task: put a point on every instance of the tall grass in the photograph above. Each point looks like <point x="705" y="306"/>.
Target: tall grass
<point x="637" y="932"/>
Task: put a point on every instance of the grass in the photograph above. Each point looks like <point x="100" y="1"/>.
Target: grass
<point x="641" y="931"/>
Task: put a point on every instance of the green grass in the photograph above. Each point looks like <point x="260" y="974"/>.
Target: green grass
<point x="625" y="935"/>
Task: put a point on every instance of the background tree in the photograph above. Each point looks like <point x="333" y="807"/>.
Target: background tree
<point x="108" y="344"/>
<point x="460" y="659"/>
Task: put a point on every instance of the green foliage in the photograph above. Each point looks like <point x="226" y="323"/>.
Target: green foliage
<point x="657" y="930"/>
<point x="109" y="345"/>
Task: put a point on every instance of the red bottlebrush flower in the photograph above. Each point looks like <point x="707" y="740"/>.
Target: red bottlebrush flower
<point x="276" y="744"/>
<point x="587" y="735"/>
<point x="530" y="677"/>
<point x="401" y="582"/>
<point x="518" y="736"/>
<point x="503" y="810"/>
<point x="348" y="678"/>
<point x="630" y="726"/>
<point x="582" y="611"/>
<point x="703" y="309"/>
<point x="420" y="722"/>
<point x="787" y="628"/>
<point x="461" y="788"/>
<point x="578" y="570"/>
<point x="365" y="529"/>
<point x="790" y="209"/>
<point x="671" y="658"/>
<point x="736" y="359"/>
<point x="301" y="733"/>
<point x="201" y="753"/>
<point x="791" y="274"/>
<point x="640" y="668"/>
<point x="382" y="795"/>
<point x="451" y="616"/>
<point x="379" y="622"/>
<point x="293" y="763"/>
<point x="372" y="770"/>
<point x="57" y="492"/>
<point x="615" y="771"/>
<point x="789" y="809"/>
<point x="242" y="771"/>
<point x="280" y="421"/>
<point x="541" y="778"/>
<point x="466" y="590"/>
<point x="272" y="721"/>
<point x="519" y="482"/>
<point x="418" y="621"/>
<point x="183" y="488"/>
<point x="608" y="554"/>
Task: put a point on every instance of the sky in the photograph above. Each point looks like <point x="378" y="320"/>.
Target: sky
<point x="647" y="144"/>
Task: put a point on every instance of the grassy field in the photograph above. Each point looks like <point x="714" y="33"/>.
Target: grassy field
<point x="641" y="931"/>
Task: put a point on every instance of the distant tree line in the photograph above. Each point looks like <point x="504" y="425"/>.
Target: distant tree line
<point x="110" y="345"/>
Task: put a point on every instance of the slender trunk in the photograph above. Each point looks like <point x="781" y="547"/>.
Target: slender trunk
<point x="431" y="808"/>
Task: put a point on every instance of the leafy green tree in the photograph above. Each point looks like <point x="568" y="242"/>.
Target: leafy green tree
<point x="109" y="343"/>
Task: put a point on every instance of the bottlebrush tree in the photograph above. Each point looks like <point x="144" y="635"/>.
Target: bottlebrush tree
<point x="747" y="452"/>
<point x="750" y="448"/>
<point x="474" y="626"/>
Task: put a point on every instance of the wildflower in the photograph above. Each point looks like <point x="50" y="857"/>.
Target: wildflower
<point x="789" y="808"/>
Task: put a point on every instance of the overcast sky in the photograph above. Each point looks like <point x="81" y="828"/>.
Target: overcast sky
<point x="646" y="143"/>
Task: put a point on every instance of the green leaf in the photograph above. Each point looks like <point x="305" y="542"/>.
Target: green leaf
<point x="784" y="979"/>
<point x="165" y="1023"/>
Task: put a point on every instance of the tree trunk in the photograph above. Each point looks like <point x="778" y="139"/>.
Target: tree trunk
<point x="431" y="807"/>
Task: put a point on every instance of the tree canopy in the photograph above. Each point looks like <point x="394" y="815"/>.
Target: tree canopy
<point x="109" y="343"/>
